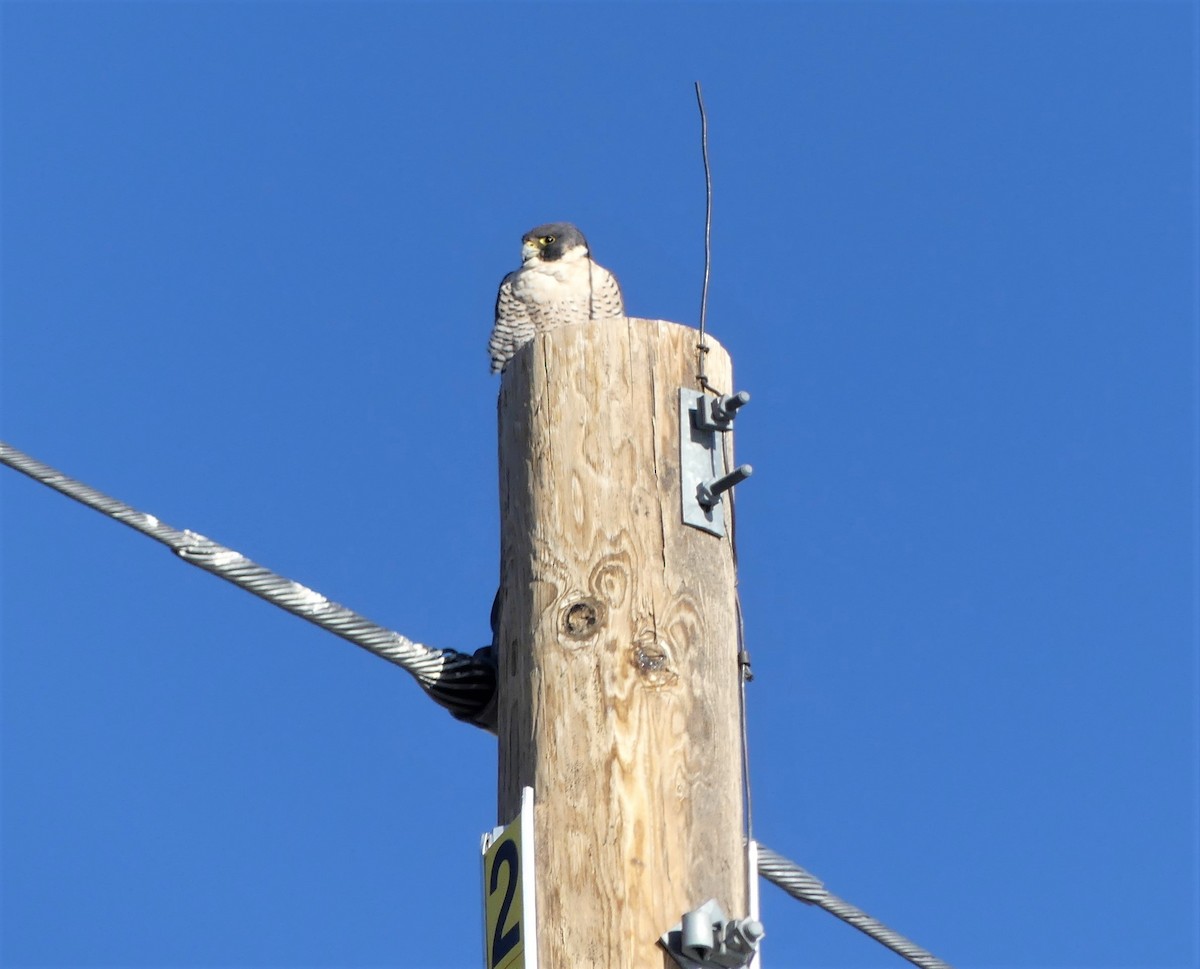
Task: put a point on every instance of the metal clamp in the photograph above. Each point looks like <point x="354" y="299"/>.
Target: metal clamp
<point x="706" y="938"/>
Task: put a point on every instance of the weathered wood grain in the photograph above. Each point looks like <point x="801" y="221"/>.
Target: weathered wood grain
<point x="618" y="648"/>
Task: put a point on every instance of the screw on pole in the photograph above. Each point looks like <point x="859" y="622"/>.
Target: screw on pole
<point x="717" y="413"/>
<point x="726" y="406"/>
<point x="709" y="492"/>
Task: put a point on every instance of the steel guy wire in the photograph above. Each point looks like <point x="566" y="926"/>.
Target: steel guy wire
<point x="463" y="683"/>
<point x="806" y="887"/>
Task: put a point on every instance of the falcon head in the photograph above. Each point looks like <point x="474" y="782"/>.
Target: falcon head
<point x="550" y="242"/>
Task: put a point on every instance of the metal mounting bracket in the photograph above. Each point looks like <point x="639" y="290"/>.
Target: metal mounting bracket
<point x="700" y="460"/>
<point x="703" y="474"/>
<point x="706" y="938"/>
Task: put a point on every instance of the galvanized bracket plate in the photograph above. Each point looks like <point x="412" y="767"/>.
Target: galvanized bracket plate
<point x="701" y="459"/>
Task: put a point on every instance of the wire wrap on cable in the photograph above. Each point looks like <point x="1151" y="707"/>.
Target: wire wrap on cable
<point x="463" y="683"/>
<point x="806" y="887"/>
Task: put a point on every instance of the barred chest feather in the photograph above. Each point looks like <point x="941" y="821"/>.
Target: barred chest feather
<point x="542" y="296"/>
<point x="557" y="293"/>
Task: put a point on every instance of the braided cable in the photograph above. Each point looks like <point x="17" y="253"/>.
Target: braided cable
<point x="464" y="684"/>
<point x="806" y="887"/>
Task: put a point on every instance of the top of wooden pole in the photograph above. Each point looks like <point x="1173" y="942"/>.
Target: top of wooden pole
<point x="618" y="674"/>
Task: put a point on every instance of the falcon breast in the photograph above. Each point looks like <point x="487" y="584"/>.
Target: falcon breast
<point x="558" y="283"/>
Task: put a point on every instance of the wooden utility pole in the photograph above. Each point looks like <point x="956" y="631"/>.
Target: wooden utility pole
<point x="618" y="671"/>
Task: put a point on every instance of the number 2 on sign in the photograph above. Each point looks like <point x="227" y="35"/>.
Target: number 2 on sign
<point x="503" y="942"/>
<point x="509" y="892"/>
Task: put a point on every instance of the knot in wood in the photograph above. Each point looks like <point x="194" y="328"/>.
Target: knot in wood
<point x="652" y="659"/>
<point x="581" y="620"/>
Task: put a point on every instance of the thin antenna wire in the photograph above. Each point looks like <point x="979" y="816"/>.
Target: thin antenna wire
<point x="702" y="347"/>
<point x="744" y="673"/>
<point x="463" y="684"/>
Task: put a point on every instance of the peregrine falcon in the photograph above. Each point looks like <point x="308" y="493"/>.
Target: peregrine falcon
<point x="558" y="283"/>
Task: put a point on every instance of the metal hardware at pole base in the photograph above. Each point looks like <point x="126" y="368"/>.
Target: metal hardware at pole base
<point x="706" y="938"/>
<point x="697" y="935"/>
<point x="709" y="492"/>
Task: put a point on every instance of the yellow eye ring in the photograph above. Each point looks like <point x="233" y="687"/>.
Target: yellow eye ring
<point x="546" y="240"/>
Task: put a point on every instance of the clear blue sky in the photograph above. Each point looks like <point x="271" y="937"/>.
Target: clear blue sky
<point x="250" y="252"/>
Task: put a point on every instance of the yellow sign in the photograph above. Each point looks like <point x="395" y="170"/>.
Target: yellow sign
<point x="510" y="923"/>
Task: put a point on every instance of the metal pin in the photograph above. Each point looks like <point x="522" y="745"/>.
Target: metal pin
<point x="716" y="413"/>
<point x="709" y="492"/>
<point x="697" y="938"/>
<point x="725" y="408"/>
